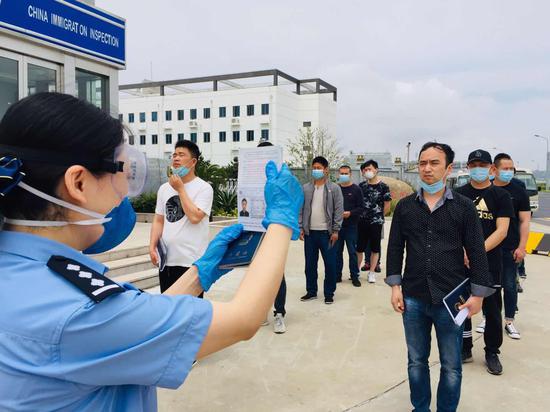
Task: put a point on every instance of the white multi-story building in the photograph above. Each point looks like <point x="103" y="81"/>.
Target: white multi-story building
<point x="226" y="112"/>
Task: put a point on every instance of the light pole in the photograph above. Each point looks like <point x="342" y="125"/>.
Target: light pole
<point x="547" y="160"/>
<point x="408" y="153"/>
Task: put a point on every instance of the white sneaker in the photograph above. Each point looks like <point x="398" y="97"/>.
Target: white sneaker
<point x="481" y="327"/>
<point x="512" y="331"/>
<point x="279" y="324"/>
<point x="371" y="277"/>
<point x="265" y="322"/>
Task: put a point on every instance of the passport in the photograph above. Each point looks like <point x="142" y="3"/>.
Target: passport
<point x="241" y="251"/>
<point x="458" y="296"/>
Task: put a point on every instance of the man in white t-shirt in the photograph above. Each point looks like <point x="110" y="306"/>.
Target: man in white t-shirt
<point x="181" y="215"/>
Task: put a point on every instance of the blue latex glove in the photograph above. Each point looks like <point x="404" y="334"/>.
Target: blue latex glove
<point x="284" y="198"/>
<point x="208" y="263"/>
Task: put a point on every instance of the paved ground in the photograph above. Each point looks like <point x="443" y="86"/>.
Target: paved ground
<point x="351" y="356"/>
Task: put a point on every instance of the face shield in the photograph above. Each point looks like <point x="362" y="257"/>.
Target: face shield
<point x="131" y="174"/>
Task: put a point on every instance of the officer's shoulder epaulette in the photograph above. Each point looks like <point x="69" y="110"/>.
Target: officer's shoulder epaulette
<point x="96" y="286"/>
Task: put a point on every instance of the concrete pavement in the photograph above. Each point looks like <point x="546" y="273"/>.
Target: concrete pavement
<point x="351" y="356"/>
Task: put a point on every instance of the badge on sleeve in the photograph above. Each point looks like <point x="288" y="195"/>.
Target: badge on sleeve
<point x="96" y="286"/>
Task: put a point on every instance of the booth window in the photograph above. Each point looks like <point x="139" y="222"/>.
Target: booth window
<point x="9" y="83"/>
<point x="40" y="79"/>
<point x="92" y="87"/>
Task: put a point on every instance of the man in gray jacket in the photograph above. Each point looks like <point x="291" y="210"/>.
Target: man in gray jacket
<point x="320" y="221"/>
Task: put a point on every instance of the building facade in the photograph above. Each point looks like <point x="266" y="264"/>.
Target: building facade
<point x="66" y="46"/>
<point x="226" y="112"/>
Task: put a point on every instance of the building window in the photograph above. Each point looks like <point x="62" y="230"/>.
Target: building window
<point x="206" y="113"/>
<point x="236" y="136"/>
<point x="265" y="134"/>
<point x="194" y="137"/>
<point x="236" y="111"/>
<point x="222" y="111"/>
<point x="121" y="117"/>
<point x="180" y="137"/>
<point x="180" y="114"/>
<point x="131" y="140"/>
<point x="250" y="135"/>
<point x="130" y="118"/>
<point x="154" y="116"/>
<point x="168" y="115"/>
<point x="92" y="87"/>
<point x="250" y="110"/>
<point x="168" y="138"/>
<point x="222" y="137"/>
<point x="142" y="117"/>
<point x="155" y="139"/>
<point x="142" y="139"/>
<point x="265" y="108"/>
<point x="307" y="124"/>
<point x="206" y="137"/>
<point x="193" y="114"/>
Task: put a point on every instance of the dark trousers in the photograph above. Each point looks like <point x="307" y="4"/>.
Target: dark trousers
<point x="280" y="299"/>
<point x="169" y="275"/>
<point x="509" y="284"/>
<point x="347" y="236"/>
<point x="318" y="241"/>
<point x="492" y="309"/>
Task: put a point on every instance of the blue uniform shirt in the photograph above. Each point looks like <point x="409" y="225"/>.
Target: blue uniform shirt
<point x="59" y="350"/>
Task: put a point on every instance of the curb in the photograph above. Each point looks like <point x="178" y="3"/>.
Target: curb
<point x="538" y="243"/>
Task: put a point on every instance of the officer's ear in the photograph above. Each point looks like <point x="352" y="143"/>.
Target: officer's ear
<point x="76" y="184"/>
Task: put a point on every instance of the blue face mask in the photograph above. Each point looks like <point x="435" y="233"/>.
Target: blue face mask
<point x="344" y="179"/>
<point x="317" y="174"/>
<point x="123" y="220"/>
<point x="181" y="171"/>
<point x="505" y="175"/>
<point x="433" y="188"/>
<point x="479" y="174"/>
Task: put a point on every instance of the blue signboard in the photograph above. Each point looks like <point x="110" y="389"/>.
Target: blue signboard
<point x="68" y="24"/>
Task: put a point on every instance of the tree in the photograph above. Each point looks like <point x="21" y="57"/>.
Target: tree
<point x="308" y="144"/>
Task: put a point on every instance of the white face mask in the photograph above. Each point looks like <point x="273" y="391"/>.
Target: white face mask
<point x="369" y="175"/>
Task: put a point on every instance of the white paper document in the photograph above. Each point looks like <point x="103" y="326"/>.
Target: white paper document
<point x="251" y="182"/>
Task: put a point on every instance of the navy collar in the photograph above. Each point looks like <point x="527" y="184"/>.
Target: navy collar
<point x="41" y="249"/>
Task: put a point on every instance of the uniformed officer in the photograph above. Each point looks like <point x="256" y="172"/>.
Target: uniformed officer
<point x="71" y="338"/>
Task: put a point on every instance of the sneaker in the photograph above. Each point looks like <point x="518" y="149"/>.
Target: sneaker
<point x="512" y="331"/>
<point x="481" y="327"/>
<point x="467" y="357"/>
<point x="365" y="267"/>
<point x="265" y="322"/>
<point x="279" y="324"/>
<point x="494" y="367"/>
<point x="371" y="277"/>
<point x="308" y="296"/>
<point x="329" y="300"/>
<point x="377" y="268"/>
<point x="356" y="282"/>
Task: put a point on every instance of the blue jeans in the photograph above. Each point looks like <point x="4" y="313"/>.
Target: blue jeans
<point x="509" y="274"/>
<point x="347" y="235"/>
<point x="318" y="241"/>
<point x="418" y="320"/>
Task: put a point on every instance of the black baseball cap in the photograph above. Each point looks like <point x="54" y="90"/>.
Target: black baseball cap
<point x="480" y="155"/>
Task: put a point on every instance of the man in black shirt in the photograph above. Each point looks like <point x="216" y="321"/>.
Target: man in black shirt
<point x="353" y="207"/>
<point x="513" y="247"/>
<point x="494" y="208"/>
<point x="435" y="226"/>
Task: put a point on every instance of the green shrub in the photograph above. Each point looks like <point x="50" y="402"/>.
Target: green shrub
<point x="225" y="200"/>
<point x="144" y="203"/>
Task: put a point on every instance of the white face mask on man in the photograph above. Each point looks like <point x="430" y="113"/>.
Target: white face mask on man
<point x="369" y="175"/>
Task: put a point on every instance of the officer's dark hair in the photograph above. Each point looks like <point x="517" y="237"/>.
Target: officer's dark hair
<point x="244" y="200"/>
<point x="53" y="123"/>
<point x="501" y="156"/>
<point x="345" y="167"/>
<point x="321" y="160"/>
<point x="264" y="144"/>
<point x="368" y="163"/>
<point x="449" y="154"/>
<point x="189" y="145"/>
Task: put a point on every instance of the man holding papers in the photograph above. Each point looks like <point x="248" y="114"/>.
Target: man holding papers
<point x="435" y="226"/>
<point x="494" y="208"/>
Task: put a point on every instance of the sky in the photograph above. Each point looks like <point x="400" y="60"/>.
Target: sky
<point x="473" y="74"/>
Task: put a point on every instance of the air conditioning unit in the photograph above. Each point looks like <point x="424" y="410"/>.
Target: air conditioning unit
<point x="193" y="123"/>
<point x="168" y="125"/>
<point x="235" y="121"/>
<point x="265" y="120"/>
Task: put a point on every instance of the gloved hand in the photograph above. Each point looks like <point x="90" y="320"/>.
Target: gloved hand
<point x="208" y="263"/>
<point x="284" y="198"/>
